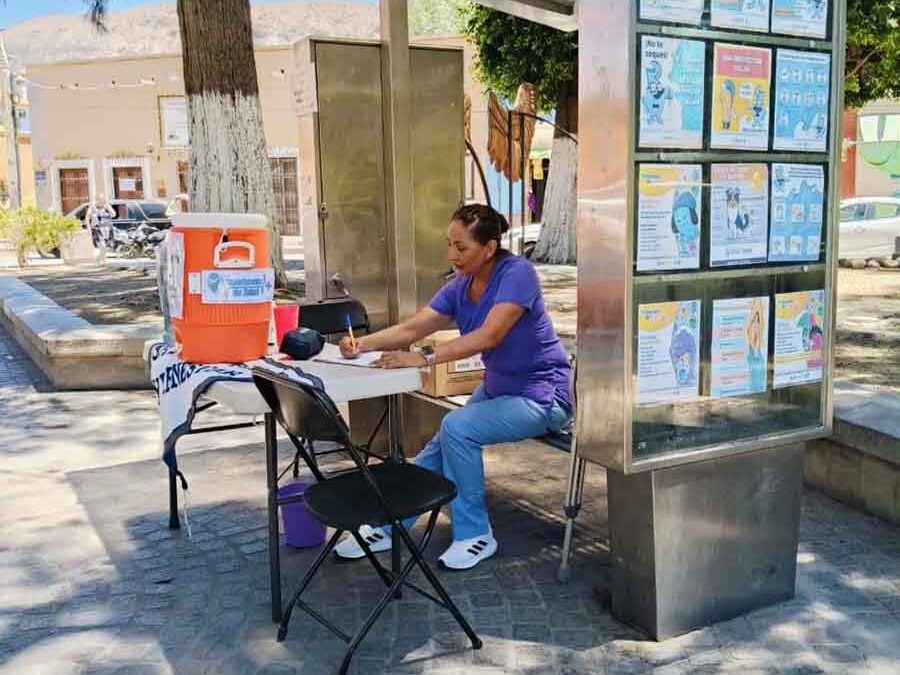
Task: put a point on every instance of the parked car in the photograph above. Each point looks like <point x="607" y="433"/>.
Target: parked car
<point x="522" y="243"/>
<point x="130" y="213"/>
<point x="869" y="227"/>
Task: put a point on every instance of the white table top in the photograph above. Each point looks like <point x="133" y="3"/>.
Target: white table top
<point x="342" y="383"/>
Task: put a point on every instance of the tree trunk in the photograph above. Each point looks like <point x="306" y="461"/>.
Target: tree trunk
<point x="556" y="243"/>
<point x="229" y="161"/>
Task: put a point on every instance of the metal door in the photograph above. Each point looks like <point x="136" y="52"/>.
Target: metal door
<point x="351" y="174"/>
<point x="73" y="188"/>
<point x="128" y="182"/>
<point x="438" y="155"/>
<point x="284" y="184"/>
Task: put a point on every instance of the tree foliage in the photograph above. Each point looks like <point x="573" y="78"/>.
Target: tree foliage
<point x="434" y="17"/>
<point x="29" y="229"/>
<point x="873" y="51"/>
<point x="512" y="51"/>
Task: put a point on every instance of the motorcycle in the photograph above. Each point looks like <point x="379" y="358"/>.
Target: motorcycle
<point x="138" y="242"/>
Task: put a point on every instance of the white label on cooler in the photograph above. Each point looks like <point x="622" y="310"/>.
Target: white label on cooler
<point x="175" y="274"/>
<point x="468" y="365"/>
<point x="236" y="287"/>
<point x="195" y="283"/>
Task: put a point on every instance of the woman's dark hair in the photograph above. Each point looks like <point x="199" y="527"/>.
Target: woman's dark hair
<point x="483" y="223"/>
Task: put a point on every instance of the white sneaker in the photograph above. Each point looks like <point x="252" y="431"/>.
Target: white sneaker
<point x="377" y="539"/>
<point x="466" y="553"/>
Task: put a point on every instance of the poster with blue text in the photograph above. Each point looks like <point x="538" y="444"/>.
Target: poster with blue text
<point x="668" y="354"/>
<point x="671" y="97"/>
<point x="739" y="214"/>
<point x="742" y="14"/>
<point x="675" y="11"/>
<point x="797" y="206"/>
<point x="802" y="80"/>
<point x="799" y="338"/>
<point x="740" y="97"/>
<point x="740" y="346"/>
<point x="800" y="17"/>
<point x="669" y="216"/>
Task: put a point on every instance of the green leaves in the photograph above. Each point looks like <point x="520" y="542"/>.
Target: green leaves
<point x="29" y="228"/>
<point x="512" y="51"/>
<point x="873" y="51"/>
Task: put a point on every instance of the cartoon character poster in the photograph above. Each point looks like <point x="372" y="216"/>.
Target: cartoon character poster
<point x="674" y="11"/>
<point x="668" y="355"/>
<point x="799" y="337"/>
<point x="797" y="206"/>
<point x="671" y="97"/>
<point x="740" y="346"/>
<point x="800" y="17"/>
<point x="802" y="81"/>
<point x="669" y="216"/>
<point x="739" y="214"/>
<point x="741" y="14"/>
<point x="740" y="97"/>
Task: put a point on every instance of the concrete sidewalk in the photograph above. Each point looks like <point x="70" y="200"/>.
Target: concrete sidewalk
<point x="92" y="581"/>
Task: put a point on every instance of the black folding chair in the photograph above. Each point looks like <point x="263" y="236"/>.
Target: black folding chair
<point x="329" y="317"/>
<point x="381" y="494"/>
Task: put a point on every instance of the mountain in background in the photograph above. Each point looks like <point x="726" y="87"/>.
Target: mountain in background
<point x="153" y="29"/>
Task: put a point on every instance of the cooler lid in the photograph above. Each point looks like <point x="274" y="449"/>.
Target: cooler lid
<point x="228" y="221"/>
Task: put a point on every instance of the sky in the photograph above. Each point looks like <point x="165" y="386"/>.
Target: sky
<point x="17" y="11"/>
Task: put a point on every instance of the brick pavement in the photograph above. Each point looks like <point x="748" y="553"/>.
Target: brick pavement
<point x="92" y="582"/>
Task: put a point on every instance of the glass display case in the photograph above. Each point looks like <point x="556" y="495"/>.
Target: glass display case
<point x="725" y="175"/>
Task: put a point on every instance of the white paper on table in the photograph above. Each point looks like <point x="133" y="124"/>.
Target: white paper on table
<point x="364" y="360"/>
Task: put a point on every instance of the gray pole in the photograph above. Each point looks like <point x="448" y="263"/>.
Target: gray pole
<point x="7" y="93"/>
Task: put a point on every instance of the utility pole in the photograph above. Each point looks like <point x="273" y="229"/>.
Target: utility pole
<point x="9" y="122"/>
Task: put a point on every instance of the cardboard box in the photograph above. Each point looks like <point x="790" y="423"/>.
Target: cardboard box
<point x="455" y="378"/>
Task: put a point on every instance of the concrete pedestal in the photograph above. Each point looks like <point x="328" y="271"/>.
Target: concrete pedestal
<point x="702" y="543"/>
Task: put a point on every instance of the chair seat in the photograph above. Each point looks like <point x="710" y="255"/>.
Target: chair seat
<point x="348" y="501"/>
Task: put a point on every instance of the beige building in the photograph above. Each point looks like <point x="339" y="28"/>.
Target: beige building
<point x="118" y="127"/>
<point x="26" y="167"/>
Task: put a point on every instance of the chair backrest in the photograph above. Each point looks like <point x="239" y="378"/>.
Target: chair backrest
<point x="329" y="317"/>
<point x="304" y="411"/>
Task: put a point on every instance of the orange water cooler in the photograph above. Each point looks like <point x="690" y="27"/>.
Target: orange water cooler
<point x="220" y="286"/>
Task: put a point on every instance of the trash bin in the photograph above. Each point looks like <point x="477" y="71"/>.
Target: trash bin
<point x="301" y="529"/>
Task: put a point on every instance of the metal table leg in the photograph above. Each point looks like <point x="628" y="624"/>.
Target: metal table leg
<point x="272" y="484"/>
<point x="174" y="521"/>
<point x="396" y="455"/>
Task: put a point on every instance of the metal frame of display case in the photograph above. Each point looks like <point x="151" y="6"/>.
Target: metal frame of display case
<point x="609" y="441"/>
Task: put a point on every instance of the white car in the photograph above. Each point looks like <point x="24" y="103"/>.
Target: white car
<point x="514" y="241"/>
<point x="869" y="227"/>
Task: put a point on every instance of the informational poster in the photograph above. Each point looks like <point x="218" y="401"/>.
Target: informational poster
<point x="742" y="14"/>
<point x="797" y="206"/>
<point x="175" y="273"/>
<point x="235" y="287"/>
<point x="739" y="214"/>
<point x="127" y="184"/>
<point x="800" y="17"/>
<point x="802" y="82"/>
<point x="740" y="346"/>
<point x="671" y="97"/>
<point x="668" y="356"/>
<point x="799" y="337"/>
<point x="173" y="118"/>
<point x="669" y="216"/>
<point x="740" y="97"/>
<point x="674" y="11"/>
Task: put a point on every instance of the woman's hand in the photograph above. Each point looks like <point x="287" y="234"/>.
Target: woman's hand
<point x="350" y="349"/>
<point x="401" y="360"/>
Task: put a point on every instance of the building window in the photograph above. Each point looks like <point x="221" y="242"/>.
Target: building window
<point x="284" y="184"/>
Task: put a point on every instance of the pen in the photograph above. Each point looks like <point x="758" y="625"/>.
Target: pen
<point x="350" y="330"/>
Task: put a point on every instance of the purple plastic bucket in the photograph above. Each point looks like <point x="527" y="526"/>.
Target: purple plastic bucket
<point x="301" y="530"/>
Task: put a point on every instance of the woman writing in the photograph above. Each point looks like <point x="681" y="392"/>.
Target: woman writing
<point x="495" y="300"/>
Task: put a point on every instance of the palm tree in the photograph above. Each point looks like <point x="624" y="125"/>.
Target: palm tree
<point x="229" y="164"/>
